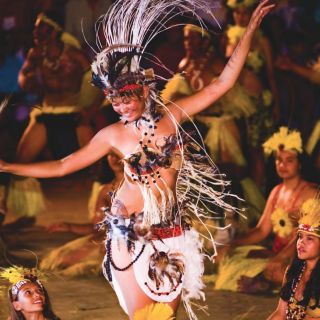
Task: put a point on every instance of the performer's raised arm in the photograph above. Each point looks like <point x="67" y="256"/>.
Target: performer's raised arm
<point x="199" y="101"/>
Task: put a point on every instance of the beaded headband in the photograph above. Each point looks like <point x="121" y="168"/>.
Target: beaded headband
<point x="285" y="140"/>
<point x="310" y="217"/>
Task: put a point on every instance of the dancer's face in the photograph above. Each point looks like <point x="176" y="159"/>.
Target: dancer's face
<point x="287" y="164"/>
<point x="130" y="108"/>
<point x="308" y="246"/>
<point x="30" y="299"/>
<point x="41" y="32"/>
<point x="192" y="42"/>
<point x="195" y="44"/>
<point x="241" y="16"/>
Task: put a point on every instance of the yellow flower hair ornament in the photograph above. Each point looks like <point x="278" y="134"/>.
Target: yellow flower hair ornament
<point x="154" y="311"/>
<point x="281" y="223"/>
<point x="240" y="3"/>
<point x="284" y="139"/>
<point x="310" y="217"/>
<point x="18" y="276"/>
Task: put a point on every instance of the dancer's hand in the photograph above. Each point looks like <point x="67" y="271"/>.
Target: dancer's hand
<point x="259" y="13"/>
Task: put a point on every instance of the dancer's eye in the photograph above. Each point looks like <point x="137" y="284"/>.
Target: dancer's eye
<point x="115" y="221"/>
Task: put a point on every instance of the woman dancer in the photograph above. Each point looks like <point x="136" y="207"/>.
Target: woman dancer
<point x="256" y="78"/>
<point x="153" y="255"/>
<point x="28" y="298"/>
<point x="300" y="293"/>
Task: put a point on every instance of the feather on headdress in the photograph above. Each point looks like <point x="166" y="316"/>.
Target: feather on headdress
<point x="128" y="28"/>
<point x="310" y="217"/>
<point x="18" y="276"/>
<point x="284" y="139"/>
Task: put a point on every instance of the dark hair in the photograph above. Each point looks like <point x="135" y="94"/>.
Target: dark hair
<point x="47" y="309"/>
<point x="312" y="289"/>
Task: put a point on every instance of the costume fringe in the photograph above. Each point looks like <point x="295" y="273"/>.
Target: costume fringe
<point x="25" y="197"/>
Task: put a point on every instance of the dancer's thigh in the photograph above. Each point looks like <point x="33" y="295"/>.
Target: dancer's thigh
<point x="131" y="292"/>
<point x="32" y="142"/>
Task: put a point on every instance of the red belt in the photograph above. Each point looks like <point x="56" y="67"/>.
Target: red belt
<point x="166" y="232"/>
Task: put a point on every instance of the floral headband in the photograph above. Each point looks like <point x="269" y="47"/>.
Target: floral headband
<point x="19" y="276"/>
<point x="285" y="140"/>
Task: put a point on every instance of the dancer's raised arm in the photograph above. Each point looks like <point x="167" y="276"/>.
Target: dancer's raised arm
<point x="93" y="151"/>
<point x="199" y="101"/>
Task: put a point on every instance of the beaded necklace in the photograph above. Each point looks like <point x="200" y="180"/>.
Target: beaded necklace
<point x="295" y="311"/>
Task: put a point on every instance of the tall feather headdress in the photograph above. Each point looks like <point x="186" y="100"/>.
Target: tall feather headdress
<point x="310" y="217"/>
<point x="128" y="28"/>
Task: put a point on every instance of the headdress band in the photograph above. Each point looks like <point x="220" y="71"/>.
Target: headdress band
<point x="50" y="22"/>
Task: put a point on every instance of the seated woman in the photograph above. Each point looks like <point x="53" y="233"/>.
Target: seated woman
<point x="252" y="268"/>
<point x="28" y="298"/>
<point x="300" y="292"/>
<point x="153" y="255"/>
<point x="85" y="254"/>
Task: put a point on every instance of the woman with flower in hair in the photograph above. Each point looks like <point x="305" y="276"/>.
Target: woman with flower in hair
<point x="28" y="298"/>
<point x="254" y="268"/>
<point x="300" y="292"/>
<point x="256" y="77"/>
<point x="153" y="255"/>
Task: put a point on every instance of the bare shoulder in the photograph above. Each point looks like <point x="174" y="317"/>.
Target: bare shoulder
<point x="310" y="191"/>
<point x="109" y="132"/>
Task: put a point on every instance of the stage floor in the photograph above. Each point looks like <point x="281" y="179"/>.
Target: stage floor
<point x="92" y="297"/>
